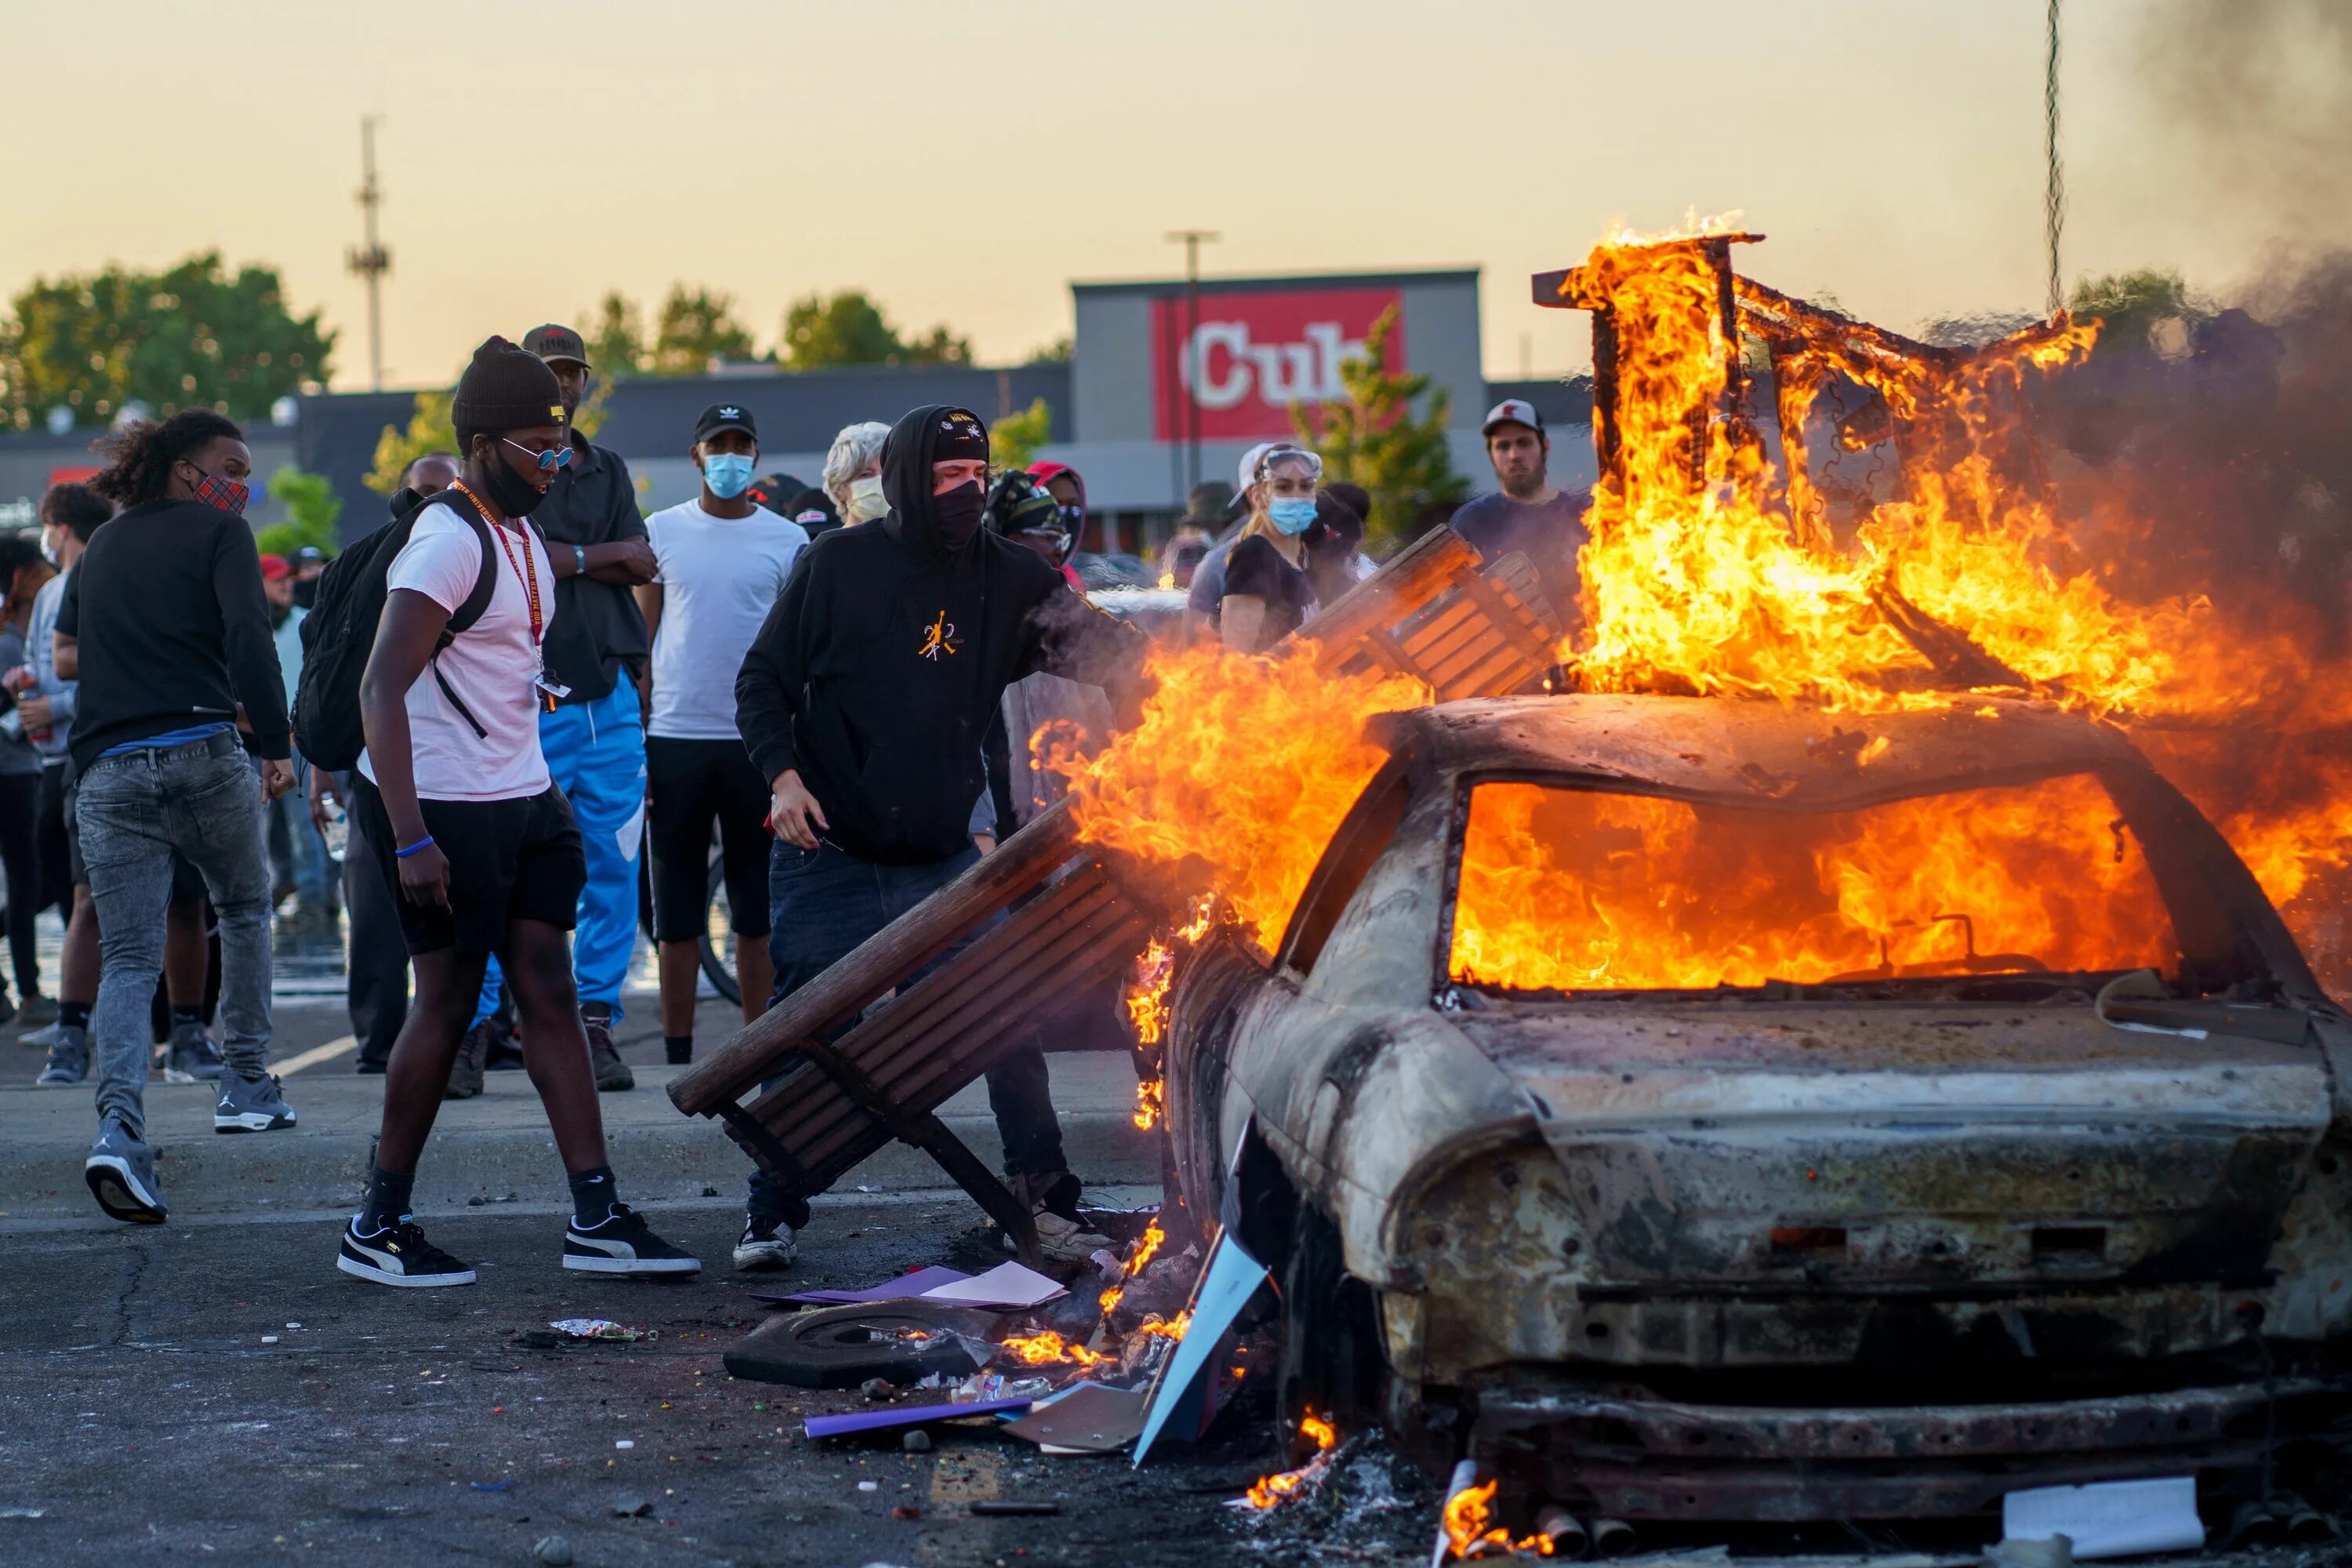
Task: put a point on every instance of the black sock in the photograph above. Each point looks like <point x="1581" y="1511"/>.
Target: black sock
<point x="74" y="1015"/>
<point x="387" y="1197"/>
<point x="681" y="1048"/>
<point x="592" y="1194"/>
<point x="187" y="1015"/>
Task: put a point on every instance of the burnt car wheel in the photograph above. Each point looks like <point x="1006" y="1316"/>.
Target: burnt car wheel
<point x="1332" y="1357"/>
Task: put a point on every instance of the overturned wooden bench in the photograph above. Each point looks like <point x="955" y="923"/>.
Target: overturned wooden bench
<point x="870" y="1050"/>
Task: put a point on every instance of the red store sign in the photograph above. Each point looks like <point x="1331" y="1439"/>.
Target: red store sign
<point x="1253" y="355"/>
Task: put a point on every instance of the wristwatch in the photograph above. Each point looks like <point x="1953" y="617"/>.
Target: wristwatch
<point x="579" y="561"/>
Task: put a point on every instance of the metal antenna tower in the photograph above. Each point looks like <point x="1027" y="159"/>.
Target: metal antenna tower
<point x="371" y="260"/>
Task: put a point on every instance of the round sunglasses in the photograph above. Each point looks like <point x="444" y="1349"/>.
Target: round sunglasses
<point x="547" y="461"/>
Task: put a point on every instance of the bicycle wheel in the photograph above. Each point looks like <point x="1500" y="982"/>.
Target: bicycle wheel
<point x="716" y="944"/>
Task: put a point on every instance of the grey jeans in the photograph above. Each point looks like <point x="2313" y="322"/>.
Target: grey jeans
<point x="203" y="799"/>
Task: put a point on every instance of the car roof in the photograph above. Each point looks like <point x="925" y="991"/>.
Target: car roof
<point x="1759" y="753"/>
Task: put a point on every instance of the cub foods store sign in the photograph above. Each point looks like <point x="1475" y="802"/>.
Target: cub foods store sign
<point x="1250" y="356"/>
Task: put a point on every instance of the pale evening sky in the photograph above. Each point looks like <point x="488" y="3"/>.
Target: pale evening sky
<point x="964" y="161"/>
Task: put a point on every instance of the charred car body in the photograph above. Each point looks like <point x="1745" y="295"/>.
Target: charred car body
<point x="1885" y="1240"/>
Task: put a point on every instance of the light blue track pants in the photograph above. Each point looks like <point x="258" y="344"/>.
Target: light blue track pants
<point x="596" y="751"/>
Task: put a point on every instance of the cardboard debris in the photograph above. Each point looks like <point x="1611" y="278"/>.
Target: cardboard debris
<point x="1086" y="1418"/>
<point x="2109" y="1519"/>
<point x="1185" y="1391"/>
<point x="1006" y="1285"/>
<point x="899" y="1290"/>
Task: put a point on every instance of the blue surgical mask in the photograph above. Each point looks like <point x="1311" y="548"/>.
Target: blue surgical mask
<point x="1293" y="515"/>
<point x="727" y="474"/>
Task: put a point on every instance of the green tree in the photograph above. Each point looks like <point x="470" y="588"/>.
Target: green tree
<point x="312" y="508"/>
<point x="696" y="327"/>
<point x="1013" y="440"/>
<point x="848" y="328"/>
<point x="195" y="336"/>
<point x="1375" y="439"/>
<point x="617" y="343"/>
<point x="2128" y="304"/>
<point x="1058" y="351"/>
<point x="428" y="430"/>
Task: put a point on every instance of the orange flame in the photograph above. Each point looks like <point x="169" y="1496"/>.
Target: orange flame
<point x="1576" y="890"/>
<point x="1268" y="1490"/>
<point x="1467" y="1530"/>
<point x="1144" y="1250"/>
<point x="1049" y="1348"/>
<point x="1164" y="1328"/>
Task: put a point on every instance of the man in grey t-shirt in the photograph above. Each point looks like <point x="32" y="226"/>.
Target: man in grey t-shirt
<point x="1532" y="514"/>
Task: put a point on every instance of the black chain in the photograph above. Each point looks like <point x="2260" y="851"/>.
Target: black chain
<point x="2053" y="201"/>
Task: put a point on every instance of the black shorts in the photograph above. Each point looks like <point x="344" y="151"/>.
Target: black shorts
<point x="187" y="882"/>
<point x="509" y="860"/>
<point x="691" y="785"/>
<point x="59" y="851"/>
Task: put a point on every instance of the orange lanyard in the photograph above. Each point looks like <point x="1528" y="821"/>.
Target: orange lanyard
<point x="527" y="571"/>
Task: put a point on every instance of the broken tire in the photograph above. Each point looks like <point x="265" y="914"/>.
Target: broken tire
<point x="841" y="1347"/>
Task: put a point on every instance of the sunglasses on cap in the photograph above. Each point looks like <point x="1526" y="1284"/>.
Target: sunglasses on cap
<point x="548" y="461"/>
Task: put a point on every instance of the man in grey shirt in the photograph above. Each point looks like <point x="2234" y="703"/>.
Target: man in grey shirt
<point x="1531" y="514"/>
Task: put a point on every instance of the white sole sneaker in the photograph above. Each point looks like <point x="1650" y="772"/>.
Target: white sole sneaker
<point x="121" y="1193"/>
<point x="373" y="1275"/>
<point x="584" y="1265"/>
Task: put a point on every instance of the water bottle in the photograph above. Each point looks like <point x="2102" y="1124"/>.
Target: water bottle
<point x="337" y="831"/>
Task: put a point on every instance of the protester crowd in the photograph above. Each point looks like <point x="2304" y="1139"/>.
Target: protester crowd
<point x="456" y="739"/>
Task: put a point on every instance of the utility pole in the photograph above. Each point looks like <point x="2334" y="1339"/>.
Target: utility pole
<point x="1192" y="239"/>
<point x="2053" y="196"/>
<point x="371" y="261"/>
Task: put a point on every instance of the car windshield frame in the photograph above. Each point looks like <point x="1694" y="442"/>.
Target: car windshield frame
<point x="2171" y="867"/>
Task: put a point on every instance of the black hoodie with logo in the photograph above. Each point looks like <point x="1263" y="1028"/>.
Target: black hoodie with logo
<point x="881" y="667"/>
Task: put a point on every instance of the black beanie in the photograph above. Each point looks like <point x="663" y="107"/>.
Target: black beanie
<point x="961" y="438"/>
<point x="506" y="388"/>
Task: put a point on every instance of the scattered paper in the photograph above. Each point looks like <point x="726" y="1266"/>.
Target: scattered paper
<point x="904" y="1287"/>
<point x="2109" y="1519"/>
<point x="600" y="1328"/>
<point x="1228" y="1279"/>
<point x="1006" y="1285"/>
<point x="910" y="1415"/>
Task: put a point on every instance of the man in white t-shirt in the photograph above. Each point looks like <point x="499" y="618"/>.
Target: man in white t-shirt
<point x="721" y="560"/>
<point x="455" y="799"/>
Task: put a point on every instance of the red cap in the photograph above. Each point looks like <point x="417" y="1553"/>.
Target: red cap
<point x="273" y="567"/>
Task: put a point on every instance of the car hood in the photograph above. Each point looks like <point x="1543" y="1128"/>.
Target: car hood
<point x="1871" y="1143"/>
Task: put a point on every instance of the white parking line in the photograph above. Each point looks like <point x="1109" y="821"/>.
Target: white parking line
<point x="337" y="1047"/>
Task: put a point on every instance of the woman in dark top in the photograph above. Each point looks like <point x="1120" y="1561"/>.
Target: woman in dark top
<point x="1267" y="592"/>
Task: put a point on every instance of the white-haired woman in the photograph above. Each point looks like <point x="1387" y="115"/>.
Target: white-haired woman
<point x="853" y="472"/>
<point x="1267" y="592"/>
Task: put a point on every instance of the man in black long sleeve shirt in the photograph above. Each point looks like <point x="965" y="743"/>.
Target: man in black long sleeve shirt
<point x="864" y="701"/>
<point x="165" y="620"/>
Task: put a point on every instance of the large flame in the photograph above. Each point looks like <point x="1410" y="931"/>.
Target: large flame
<point x="1468" y="1530"/>
<point x="1575" y="890"/>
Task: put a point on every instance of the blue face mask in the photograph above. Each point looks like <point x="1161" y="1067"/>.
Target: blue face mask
<point x="727" y="474"/>
<point x="1293" y="515"/>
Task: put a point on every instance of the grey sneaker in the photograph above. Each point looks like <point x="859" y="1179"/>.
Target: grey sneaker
<point x="611" y="1072"/>
<point x="38" y="1012"/>
<point x="192" y="1057"/>
<point x="121" y="1172"/>
<point x="68" y="1062"/>
<point x="473" y="1057"/>
<point x="251" y="1103"/>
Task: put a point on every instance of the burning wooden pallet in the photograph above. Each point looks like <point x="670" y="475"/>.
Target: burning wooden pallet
<point x="871" y="1048"/>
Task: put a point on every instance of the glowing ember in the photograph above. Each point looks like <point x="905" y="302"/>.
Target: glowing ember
<point x="1467" y="1530"/>
<point x="1576" y="890"/>
<point x="1268" y="1490"/>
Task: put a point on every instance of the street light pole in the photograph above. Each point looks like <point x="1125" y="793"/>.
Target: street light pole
<point x="1192" y="239"/>
<point x="371" y="261"/>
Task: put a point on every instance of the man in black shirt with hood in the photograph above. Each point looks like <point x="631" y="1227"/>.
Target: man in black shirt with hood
<point x="864" y="701"/>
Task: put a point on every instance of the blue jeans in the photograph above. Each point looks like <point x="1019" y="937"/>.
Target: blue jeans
<point x="822" y="903"/>
<point x="312" y="873"/>
<point x="203" y="800"/>
<point x="596" y="751"/>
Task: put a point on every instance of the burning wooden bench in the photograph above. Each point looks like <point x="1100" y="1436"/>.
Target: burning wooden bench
<point x="870" y="1050"/>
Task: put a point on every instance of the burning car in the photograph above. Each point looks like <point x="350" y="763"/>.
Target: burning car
<point x="1709" y="1109"/>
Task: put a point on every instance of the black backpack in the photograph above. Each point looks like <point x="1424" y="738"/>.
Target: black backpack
<point x="339" y="633"/>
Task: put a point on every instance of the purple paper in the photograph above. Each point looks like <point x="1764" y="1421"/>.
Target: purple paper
<point x="912" y="1415"/>
<point x="898" y="1289"/>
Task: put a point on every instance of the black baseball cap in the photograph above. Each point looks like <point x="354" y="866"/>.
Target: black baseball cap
<point x="552" y="341"/>
<point x="725" y="417"/>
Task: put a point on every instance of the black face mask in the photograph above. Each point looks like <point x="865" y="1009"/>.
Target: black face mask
<point x="306" y="594"/>
<point x="959" y="512"/>
<point x="508" y="490"/>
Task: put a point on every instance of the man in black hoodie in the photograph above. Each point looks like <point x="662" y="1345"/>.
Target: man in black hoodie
<point x="864" y="701"/>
